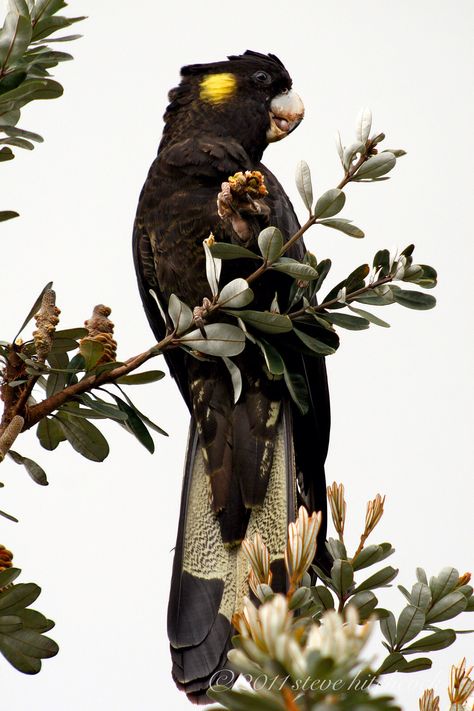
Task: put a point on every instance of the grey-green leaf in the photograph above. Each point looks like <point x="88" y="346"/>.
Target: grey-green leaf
<point x="444" y="583"/>
<point x="330" y="203"/>
<point x="222" y="339"/>
<point x="296" y="269"/>
<point x="135" y="425"/>
<point x="264" y="321"/>
<point x="273" y="359"/>
<point x="366" y="602"/>
<point x="345" y="226"/>
<point x="322" y="596"/>
<point x="303" y="183"/>
<point x="18" y="597"/>
<point x="431" y="643"/>
<point x="352" y="323"/>
<point x="150" y="376"/>
<point x="313" y="343"/>
<point x="180" y="313"/>
<point x="236" y="377"/>
<point x="33" y="309"/>
<point x="36" y="472"/>
<point x="270" y="243"/>
<point x="14" y="39"/>
<point x="378" y="580"/>
<point x="342" y="575"/>
<point x="370" y="317"/>
<point x="296" y="385"/>
<point x="421" y="596"/>
<point x="388" y="627"/>
<point x="393" y="663"/>
<point x="364" y="124"/>
<point x="376" y="166"/>
<point x="410" y="623"/>
<point x="414" y="299"/>
<point x="447" y="607"/>
<point x="92" y="351"/>
<point x="84" y="437"/>
<point x="236" y="294"/>
<point x="49" y="433"/>
<point x="224" y="250"/>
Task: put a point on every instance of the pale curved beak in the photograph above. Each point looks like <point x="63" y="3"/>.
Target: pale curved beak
<point x="286" y="113"/>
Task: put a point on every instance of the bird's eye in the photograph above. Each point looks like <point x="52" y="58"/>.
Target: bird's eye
<point x="262" y="77"/>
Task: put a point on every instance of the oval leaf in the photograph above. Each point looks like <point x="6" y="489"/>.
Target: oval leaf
<point x="303" y="183"/>
<point x="433" y="642"/>
<point x="376" y="166"/>
<point x="264" y="321"/>
<point x="84" y="437"/>
<point x="364" y="124"/>
<point x="342" y="576"/>
<point x="370" y="317"/>
<point x="313" y="343"/>
<point x="414" y="299"/>
<point x="352" y="323"/>
<point x="224" y="250"/>
<point x="150" y="376"/>
<point x="380" y="579"/>
<point x="222" y="339"/>
<point x="236" y="377"/>
<point x="180" y="314"/>
<point x="236" y="294"/>
<point x="447" y="607"/>
<point x="270" y="243"/>
<point x="330" y="203"/>
<point x="410" y="623"/>
<point x="296" y="269"/>
<point x="343" y="226"/>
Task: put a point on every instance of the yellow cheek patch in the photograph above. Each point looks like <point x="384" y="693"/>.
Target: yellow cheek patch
<point x="217" y="88"/>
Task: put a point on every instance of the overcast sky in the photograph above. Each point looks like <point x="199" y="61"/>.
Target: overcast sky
<point x="99" y="538"/>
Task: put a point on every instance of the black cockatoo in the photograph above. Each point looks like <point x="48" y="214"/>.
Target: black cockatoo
<point x="249" y="463"/>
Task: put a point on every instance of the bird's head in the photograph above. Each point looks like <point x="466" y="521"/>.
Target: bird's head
<point x="248" y="97"/>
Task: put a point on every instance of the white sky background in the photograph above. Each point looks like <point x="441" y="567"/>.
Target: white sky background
<point x="98" y="539"/>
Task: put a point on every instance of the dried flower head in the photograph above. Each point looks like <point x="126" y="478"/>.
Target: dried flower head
<point x="464" y="580"/>
<point x="302" y="544"/>
<point x="338" y="507"/>
<point x="46" y="319"/>
<point x="250" y="183"/>
<point x="6" y="558"/>
<point x="429" y="702"/>
<point x="461" y="685"/>
<point x="259" y="558"/>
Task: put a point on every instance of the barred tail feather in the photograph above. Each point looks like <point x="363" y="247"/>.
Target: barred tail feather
<point x="209" y="578"/>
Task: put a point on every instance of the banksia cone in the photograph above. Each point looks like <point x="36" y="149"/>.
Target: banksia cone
<point x="250" y="183"/>
<point x="101" y="331"/>
<point x="46" y="319"/>
<point x="6" y="558"/>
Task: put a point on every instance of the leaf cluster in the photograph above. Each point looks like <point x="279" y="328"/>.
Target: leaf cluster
<point x="22" y="639"/>
<point x="25" y="68"/>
